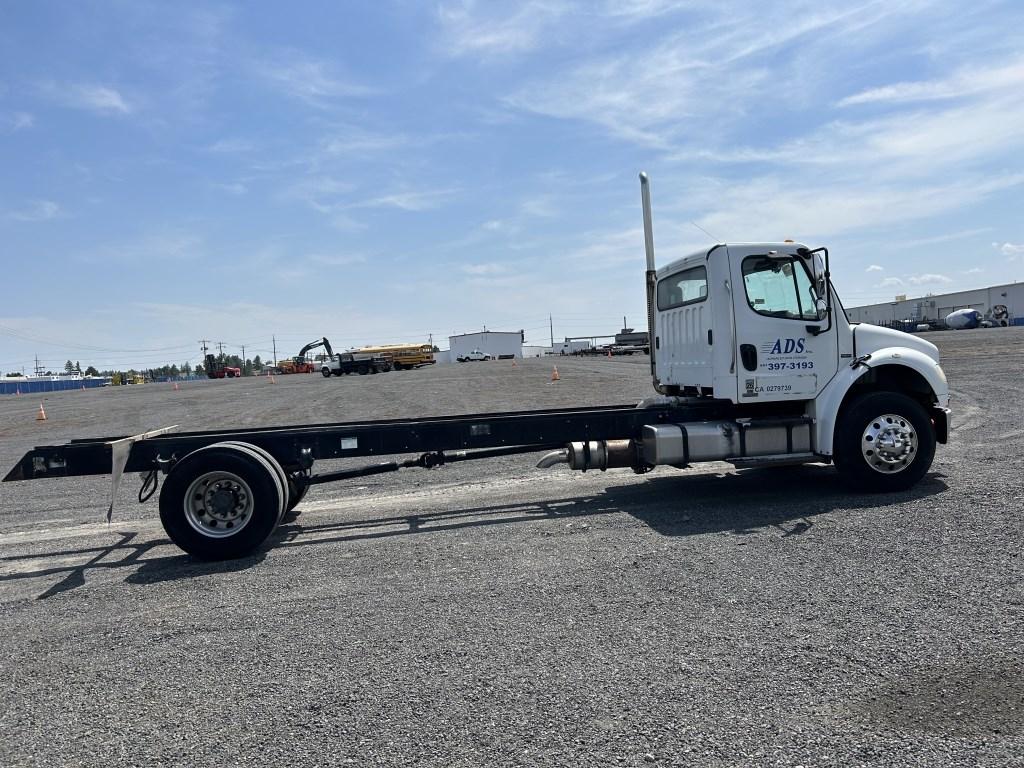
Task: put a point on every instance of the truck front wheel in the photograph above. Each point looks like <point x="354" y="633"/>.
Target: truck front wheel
<point x="884" y="441"/>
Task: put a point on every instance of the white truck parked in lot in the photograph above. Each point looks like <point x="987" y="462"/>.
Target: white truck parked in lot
<point x="756" y="333"/>
<point x="752" y="356"/>
<point x="475" y="356"/>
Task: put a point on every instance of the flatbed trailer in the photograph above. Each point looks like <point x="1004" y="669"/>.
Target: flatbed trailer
<point x="218" y="481"/>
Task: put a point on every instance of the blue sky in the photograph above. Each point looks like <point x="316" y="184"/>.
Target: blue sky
<point x="382" y="171"/>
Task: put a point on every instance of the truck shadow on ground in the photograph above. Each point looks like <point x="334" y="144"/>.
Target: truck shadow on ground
<point x="127" y="552"/>
<point x="740" y="503"/>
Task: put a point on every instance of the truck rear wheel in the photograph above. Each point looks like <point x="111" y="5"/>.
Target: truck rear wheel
<point x="884" y="441"/>
<point x="271" y="463"/>
<point x="326" y="372"/>
<point x="221" y="502"/>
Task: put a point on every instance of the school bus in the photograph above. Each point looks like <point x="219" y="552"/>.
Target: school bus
<point x="403" y="355"/>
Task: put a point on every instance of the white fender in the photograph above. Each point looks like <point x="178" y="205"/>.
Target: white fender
<point x="825" y="408"/>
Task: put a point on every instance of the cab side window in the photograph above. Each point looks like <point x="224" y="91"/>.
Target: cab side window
<point x="779" y="287"/>
<point x="686" y="287"/>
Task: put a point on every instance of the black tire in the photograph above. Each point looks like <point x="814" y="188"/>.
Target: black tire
<point x="363" y="369"/>
<point x="271" y="463"/>
<point x="855" y="437"/>
<point x="326" y="372"/>
<point x="296" y="491"/>
<point x="263" y="510"/>
<point x="398" y="366"/>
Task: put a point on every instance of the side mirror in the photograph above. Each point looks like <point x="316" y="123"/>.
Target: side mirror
<point x="820" y="281"/>
<point x="821" y="307"/>
<point x="822" y="300"/>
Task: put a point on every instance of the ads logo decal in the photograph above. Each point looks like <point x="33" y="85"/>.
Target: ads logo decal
<point x="784" y="347"/>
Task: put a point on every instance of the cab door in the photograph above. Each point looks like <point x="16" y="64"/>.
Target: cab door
<point x="783" y="351"/>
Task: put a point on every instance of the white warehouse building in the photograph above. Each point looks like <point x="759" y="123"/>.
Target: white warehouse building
<point x="1000" y="305"/>
<point x="497" y="344"/>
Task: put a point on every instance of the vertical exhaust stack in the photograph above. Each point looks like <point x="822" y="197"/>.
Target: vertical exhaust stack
<point x="645" y="198"/>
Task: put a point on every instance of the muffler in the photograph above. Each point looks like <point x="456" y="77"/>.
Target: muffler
<point x="594" y="454"/>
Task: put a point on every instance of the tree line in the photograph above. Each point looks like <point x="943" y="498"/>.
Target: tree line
<point x="249" y="367"/>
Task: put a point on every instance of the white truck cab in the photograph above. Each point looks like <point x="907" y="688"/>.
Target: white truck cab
<point x="782" y="333"/>
<point x="750" y="341"/>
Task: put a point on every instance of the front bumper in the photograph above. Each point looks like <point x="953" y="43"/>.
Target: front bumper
<point x="942" y="419"/>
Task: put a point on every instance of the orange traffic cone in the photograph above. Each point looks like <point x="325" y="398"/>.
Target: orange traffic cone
<point x="272" y="379"/>
<point x="41" y="416"/>
<point x="18" y="392"/>
<point x="514" y="364"/>
<point x="554" y="374"/>
<point x="609" y="353"/>
<point x="176" y="387"/>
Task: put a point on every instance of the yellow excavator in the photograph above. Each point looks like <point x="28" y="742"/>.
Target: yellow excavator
<point x="299" y="363"/>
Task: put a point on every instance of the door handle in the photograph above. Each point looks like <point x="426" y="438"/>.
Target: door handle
<point x="748" y="356"/>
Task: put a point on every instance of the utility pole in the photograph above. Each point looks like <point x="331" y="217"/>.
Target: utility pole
<point x="204" y="342"/>
<point x="243" y="358"/>
<point x="275" y="350"/>
<point x="623" y="322"/>
<point x="220" y="348"/>
<point x="552" y="324"/>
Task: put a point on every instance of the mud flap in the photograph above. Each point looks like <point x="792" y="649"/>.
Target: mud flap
<point x="120" y="450"/>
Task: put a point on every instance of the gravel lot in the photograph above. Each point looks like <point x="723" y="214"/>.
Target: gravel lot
<point x="494" y="614"/>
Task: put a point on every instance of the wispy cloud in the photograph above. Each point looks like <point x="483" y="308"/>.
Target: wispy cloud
<point x="890" y="282"/>
<point x="763" y="207"/>
<point x="929" y="278"/>
<point x="946" y="238"/>
<point x="1009" y="249"/>
<point x="967" y="81"/>
<point x="37" y="210"/>
<point x="160" y="247"/>
<point x="409" y="200"/>
<point x="316" y="82"/>
<point x="637" y="10"/>
<point x="324" y="194"/>
<point x="875" y="268"/>
<point x="468" y="28"/>
<point x="542" y="206"/>
<point x="233" y="188"/>
<point x="101" y="99"/>
<point x="18" y="121"/>
<point x="661" y="96"/>
<point x="353" y="140"/>
<point x="337" y="259"/>
<point x="487" y="268"/>
<point x="231" y="145"/>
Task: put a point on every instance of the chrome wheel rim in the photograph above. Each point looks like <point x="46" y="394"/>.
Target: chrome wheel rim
<point x="889" y="444"/>
<point x="218" y="504"/>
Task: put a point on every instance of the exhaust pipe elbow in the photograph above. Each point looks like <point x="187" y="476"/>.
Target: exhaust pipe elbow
<point x="561" y="456"/>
